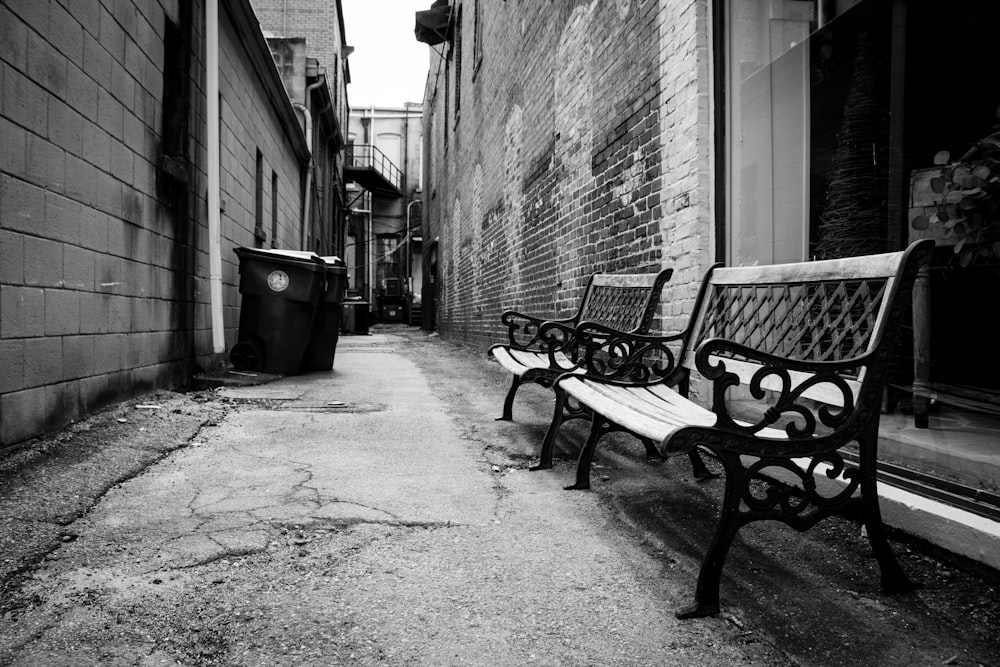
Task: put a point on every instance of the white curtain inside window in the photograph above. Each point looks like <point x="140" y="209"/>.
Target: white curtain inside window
<point x="768" y="132"/>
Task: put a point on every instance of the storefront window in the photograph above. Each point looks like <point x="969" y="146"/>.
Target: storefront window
<point x="833" y="112"/>
<point x="807" y="130"/>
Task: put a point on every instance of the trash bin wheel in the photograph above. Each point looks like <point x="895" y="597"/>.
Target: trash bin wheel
<point x="246" y="356"/>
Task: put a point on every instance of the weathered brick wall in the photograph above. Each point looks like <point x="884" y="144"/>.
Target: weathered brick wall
<point x="103" y="285"/>
<point x="582" y="146"/>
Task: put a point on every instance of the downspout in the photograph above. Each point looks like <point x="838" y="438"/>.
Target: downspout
<point x="214" y="196"/>
<point x="309" y="172"/>
<point x="409" y="250"/>
<point x="307" y="195"/>
<point x="406" y="157"/>
<point x="371" y="217"/>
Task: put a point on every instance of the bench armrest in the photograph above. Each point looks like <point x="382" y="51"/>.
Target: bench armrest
<point x="558" y="339"/>
<point x="625" y="357"/>
<point x="793" y="382"/>
<point x="523" y="330"/>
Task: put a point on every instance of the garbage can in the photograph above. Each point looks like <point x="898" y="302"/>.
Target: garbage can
<point x="280" y="290"/>
<point x="322" y="345"/>
<point x="355" y="316"/>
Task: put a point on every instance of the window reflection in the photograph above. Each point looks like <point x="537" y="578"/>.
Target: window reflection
<point x="834" y="111"/>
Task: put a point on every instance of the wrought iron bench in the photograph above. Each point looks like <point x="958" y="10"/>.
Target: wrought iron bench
<point x="540" y="350"/>
<point x="807" y="343"/>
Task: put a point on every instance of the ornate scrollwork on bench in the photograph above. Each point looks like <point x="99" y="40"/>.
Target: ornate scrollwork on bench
<point x="788" y="387"/>
<point x="522" y="330"/>
<point x="617" y="355"/>
<point x="799" y="504"/>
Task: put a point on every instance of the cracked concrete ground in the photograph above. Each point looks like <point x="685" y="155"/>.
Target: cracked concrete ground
<point x="377" y="514"/>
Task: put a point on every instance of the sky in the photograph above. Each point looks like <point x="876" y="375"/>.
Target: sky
<point x="388" y="66"/>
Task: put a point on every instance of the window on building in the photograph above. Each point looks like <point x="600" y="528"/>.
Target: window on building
<point x="458" y="65"/>
<point x="790" y="67"/>
<point x="387" y="261"/>
<point x="174" y="142"/>
<point x="274" y="209"/>
<point x="420" y="163"/>
<point x="447" y="99"/>
<point x="260" y="236"/>
<point x="833" y="111"/>
<point x="391" y="146"/>
<point x="477" y="37"/>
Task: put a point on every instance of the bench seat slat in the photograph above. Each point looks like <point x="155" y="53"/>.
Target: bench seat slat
<point x="519" y="361"/>
<point x="654" y="412"/>
<point x="603" y="400"/>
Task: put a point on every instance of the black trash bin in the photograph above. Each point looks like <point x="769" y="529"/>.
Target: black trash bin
<point x="322" y="346"/>
<point x="280" y="290"/>
<point x="355" y="316"/>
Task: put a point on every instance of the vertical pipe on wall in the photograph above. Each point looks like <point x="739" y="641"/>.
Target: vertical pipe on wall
<point x="307" y="190"/>
<point x="214" y="203"/>
<point x="307" y="196"/>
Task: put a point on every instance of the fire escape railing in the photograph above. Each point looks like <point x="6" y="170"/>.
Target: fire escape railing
<point x="365" y="156"/>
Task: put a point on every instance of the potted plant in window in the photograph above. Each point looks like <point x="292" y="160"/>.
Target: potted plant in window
<point x="967" y="201"/>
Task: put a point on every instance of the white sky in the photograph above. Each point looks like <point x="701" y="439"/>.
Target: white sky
<point x="388" y="66"/>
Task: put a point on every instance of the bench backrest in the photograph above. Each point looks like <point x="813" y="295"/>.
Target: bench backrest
<point x="623" y="301"/>
<point x="830" y="310"/>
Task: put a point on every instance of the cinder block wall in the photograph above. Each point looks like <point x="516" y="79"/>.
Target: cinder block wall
<point x="248" y="123"/>
<point x="581" y="144"/>
<point x="103" y="280"/>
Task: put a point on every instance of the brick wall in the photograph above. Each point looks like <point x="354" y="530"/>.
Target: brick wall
<point x="103" y="290"/>
<point x="582" y="146"/>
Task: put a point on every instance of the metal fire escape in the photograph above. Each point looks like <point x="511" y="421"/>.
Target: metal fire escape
<point x="371" y="169"/>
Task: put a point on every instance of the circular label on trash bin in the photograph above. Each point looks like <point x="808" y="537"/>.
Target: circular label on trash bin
<point x="277" y="281"/>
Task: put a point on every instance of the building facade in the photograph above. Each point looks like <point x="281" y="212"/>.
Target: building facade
<point x="570" y="137"/>
<point x="307" y="41"/>
<point x="116" y="231"/>
<point x="552" y="154"/>
<point x="384" y="173"/>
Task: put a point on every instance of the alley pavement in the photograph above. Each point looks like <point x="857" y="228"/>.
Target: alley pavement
<point x="378" y="514"/>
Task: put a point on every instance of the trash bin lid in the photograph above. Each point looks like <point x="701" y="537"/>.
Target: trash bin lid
<point x="296" y="256"/>
<point x="335" y="268"/>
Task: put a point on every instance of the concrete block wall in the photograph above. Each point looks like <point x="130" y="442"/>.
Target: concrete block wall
<point x="247" y="124"/>
<point x="582" y="145"/>
<point x="103" y="290"/>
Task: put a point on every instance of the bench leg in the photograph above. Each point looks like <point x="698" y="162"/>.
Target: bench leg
<point x="706" y="595"/>
<point x="508" y="403"/>
<point x="894" y="580"/>
<point x="701" y="471"/>
<point x="565" y="410"/>
<point x="652" y="453"/>
<point x="598" y="427"/>
<point x="549" y="442"/>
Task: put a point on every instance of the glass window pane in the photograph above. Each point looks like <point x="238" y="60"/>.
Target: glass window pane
<point x="768" y="95"/>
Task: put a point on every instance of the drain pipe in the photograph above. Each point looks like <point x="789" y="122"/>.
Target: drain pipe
<point x="309" y="173"/>
<point x="214" y="195"/>
<point x="307" y="195"/>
